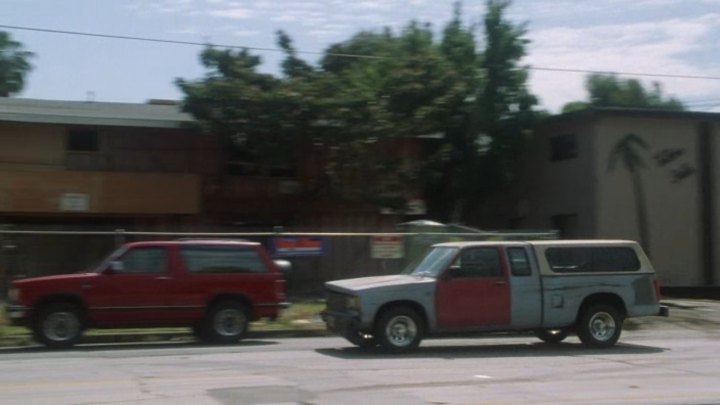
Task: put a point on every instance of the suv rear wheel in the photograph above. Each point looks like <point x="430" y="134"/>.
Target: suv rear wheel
<point x="226" y="322"/>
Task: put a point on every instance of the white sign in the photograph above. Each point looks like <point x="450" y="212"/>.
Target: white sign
<point x="387" y="247"/>
<point x="76" y="202"/>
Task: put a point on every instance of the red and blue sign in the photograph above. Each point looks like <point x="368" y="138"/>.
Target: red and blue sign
<point x="286" y="246"/>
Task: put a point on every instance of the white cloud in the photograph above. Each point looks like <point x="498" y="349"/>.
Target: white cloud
<point x="652" y="47"/>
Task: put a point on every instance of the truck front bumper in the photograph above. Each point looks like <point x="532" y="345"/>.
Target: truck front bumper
<point x="340" y="323"/>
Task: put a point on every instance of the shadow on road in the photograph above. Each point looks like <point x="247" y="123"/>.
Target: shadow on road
<point x="495" y="350"/>
<point x="94" y="347"/>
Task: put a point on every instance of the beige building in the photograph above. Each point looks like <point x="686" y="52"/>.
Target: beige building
<point x="571" y="183"/>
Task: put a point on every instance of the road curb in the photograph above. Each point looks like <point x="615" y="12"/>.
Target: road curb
<point x="156" y="337"/>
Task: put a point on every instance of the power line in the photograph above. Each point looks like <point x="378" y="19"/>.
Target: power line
<point x="171" y="41"/>
<point x="343" y="55"/>
<point x="609" y="72"/>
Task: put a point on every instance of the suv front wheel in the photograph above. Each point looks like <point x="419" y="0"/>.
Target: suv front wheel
<point x="59" y="325"/>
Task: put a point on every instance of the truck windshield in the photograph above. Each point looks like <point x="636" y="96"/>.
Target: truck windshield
<point x="435" y="261"/>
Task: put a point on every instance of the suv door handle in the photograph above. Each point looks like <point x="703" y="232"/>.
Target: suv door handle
<point x="500" y="282"/>
<point x="163" y="278"/>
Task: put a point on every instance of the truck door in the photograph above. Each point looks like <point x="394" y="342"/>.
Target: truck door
<point x="474" y="291"/>
<point x="526" y="291"/>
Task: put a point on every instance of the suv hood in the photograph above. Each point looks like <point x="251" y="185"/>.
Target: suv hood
<point x="49" y="279"/>
<point x="367" y="283"/>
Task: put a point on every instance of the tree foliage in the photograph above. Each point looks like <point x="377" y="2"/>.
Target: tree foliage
<point x="14" y="65"/>
<point x="608" y="90"/>
<point x="373" y="89"/>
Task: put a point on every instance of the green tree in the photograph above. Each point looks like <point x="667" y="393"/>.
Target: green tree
<point x="396" y="85"/>
<point x="14" y="65"/>
<point x="628" y="150"/>
<point x="608" y="90"/>
<point x="496" y="115"/>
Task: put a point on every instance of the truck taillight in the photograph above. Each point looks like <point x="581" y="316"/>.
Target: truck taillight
<point x="657" y="289"/>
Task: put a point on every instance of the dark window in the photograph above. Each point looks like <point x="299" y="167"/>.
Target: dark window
<point x="222" y="259"/>
<point x="144" y="260"/>
<point x="83" y="141"/>
<point x="478" y="262"/>
<point x="519" y="263"/>
<point x="563" y="147"/>
<point x="592" y="259"/>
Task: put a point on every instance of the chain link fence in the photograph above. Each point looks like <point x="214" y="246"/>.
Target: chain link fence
<point x="316" y="257"/>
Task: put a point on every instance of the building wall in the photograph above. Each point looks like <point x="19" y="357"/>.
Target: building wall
<point x="551" y="193"/>
<point x="31" y="147"/>
<point x="134" y="171"/>
<point x="672" y="204"/>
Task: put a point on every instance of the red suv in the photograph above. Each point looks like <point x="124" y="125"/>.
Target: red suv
<point x="215" y="287"/>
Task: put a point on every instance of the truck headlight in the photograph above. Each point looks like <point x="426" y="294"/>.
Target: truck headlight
<point x="353" y="302"/>
<point x="14" y="295"/>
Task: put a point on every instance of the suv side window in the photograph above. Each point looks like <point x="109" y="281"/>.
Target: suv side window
<point x="222" y="259"/>
<point x="478" y="262"/>
<point x="144" y="260"/>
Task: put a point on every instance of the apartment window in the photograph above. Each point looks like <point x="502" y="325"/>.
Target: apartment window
<point x="83" y="141"/>
<point x="563" y="147"/>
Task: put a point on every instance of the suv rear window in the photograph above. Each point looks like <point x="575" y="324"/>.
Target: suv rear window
<point x="222" y="259"/>
<point x="592" y="259"/>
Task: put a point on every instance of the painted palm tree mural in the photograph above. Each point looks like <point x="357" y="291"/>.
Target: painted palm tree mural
<point x="629" y="150"/>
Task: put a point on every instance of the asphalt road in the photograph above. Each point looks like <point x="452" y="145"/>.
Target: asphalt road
<point x="660" y="362"/>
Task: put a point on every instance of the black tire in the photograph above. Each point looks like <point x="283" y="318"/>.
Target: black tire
<point x="399" y="330"/>
<point x="361" y="339"/>
<point x="226" y="322"/>
<point x="552" y="336"/>
<point x="600" y="326"/>
<point x="59" y="325"/>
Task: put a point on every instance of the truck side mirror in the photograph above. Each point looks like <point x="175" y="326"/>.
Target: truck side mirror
<point x="451" y="272"/>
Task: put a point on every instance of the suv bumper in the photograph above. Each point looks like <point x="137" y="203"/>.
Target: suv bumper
<point x="17" y="314"/>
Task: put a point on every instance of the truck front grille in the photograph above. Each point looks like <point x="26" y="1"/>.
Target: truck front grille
<point x="335" y="301"/>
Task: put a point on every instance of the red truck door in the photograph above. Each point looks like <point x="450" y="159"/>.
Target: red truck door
<point x="474" y="292"/>
<point x="134" y="294"/>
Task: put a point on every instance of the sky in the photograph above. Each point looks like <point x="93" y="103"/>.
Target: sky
<point x="666" y="37"/>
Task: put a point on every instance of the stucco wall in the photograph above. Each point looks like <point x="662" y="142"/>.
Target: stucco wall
<point x="671" y="204"/>
<point x="549" y="188"/>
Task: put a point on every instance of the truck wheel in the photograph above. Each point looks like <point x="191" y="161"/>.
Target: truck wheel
<point x="600" y="326"/>
<point x="399" y="330"/>
<point x="226" y="322"/>
<point x="59" y="325"/>
<point x="551" y="335"/>
<point x="361" y="339"/>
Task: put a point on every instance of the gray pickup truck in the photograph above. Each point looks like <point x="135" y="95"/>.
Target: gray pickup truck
<point x="552" y="288"/>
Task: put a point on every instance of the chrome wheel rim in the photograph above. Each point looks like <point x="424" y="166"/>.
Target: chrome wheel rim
<point x="401" y="331"/>
<point x="229" y="322"/>
<point x="61" y="326"/>
<point x="602" y="326"/>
